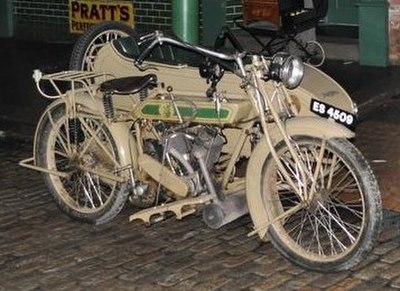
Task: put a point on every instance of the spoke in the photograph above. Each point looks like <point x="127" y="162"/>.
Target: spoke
<point x="297" y="226"/>
<point x="317" y="236"/>
<point x="88" y="134"/>
<point x="353" y="226"/>
<point x="293" y="200"/>
<point x="87" y="193"/>
<point x="61" y="154"/>
<point x="100" y="143"/>
<point x="280" y="217"/>
<point x="302" y="223"/>
<point x="345" y="176"/>
<point x="313" y="231"/>
<point x="94" y="187"/>
<point x="317" y="169"/>
<point x="351" y="185"/>
<point x="62" y="142"/>
<point x="343" y="247"/>
<point x="294" y="172"/>
<point x="331" y="172"/>
<point x="351" y="237"/>
<point x="328" y="223"/>
<point x="357" y="213"/>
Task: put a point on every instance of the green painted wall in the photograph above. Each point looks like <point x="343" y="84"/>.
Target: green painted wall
<point x="343" y="12"/>
<point x="6" y="18"/>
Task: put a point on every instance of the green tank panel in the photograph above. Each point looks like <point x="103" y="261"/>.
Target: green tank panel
<point x="195" y="110"/>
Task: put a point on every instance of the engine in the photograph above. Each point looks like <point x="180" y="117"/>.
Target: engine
<point x="184" y="151"/>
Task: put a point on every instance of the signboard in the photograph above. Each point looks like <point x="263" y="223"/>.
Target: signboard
<point x="85" y="13"/>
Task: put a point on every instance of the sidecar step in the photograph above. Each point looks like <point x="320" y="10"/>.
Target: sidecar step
<point x="176" y="207"/>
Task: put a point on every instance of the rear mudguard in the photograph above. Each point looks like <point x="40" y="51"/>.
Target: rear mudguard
<point x="120" y="132"/>
<point x="309" y="126"/>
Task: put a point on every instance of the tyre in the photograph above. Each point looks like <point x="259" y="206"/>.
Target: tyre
<point x="337" y="226"/>
<point x="315" y="53"/>
<point x="84" y="150"/>
<point x="88" y="45"/>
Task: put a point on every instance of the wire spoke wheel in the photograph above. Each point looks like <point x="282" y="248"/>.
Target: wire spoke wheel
<point x="89" y="44"/>
<point x="341" y="210"/>
<point x="84" y="150"/>
<point x="96" y="44"/>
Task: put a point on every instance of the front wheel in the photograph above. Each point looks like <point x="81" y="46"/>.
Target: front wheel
<point x="81" y="157"/>
<point x="333" y="227"/>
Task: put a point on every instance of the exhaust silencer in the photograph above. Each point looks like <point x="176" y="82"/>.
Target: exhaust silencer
<point x="219" y="213"/>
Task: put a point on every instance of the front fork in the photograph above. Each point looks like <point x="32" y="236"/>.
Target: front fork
<point x="262" y="102"/>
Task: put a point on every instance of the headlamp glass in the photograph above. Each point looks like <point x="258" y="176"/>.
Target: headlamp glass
<point x="287" y="69"/>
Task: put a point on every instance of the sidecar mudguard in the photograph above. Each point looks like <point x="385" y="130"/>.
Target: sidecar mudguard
<point x="124" y="141"/>
<point x="309" y="126"/>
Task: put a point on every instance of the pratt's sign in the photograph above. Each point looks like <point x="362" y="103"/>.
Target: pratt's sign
<point x="85" y="13"/>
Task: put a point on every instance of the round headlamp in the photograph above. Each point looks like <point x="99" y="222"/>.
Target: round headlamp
<point x="287" y="69"/>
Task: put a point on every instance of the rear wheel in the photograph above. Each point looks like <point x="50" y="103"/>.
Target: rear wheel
<point x="88" y="45"/>
<point x="82" y="155"/>
<point x="335" y="228"/>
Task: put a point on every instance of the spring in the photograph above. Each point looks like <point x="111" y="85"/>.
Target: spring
<point x="108" y="105"/>
<point x="75" y="131"/>
<point x="143" y="94"/>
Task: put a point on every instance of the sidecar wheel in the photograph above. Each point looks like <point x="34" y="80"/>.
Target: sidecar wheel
<point x="81" y="148"/>
<point x="339" y="226"/>
<point x="88" y="45"/>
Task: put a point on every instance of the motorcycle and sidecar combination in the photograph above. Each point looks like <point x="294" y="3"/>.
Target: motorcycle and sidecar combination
<point x="239" y="134"/>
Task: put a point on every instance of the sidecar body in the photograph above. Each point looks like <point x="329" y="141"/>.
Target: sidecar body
<point x="117" y="58"/>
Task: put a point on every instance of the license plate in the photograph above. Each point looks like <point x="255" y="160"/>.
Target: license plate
<point x="328" y="111"/>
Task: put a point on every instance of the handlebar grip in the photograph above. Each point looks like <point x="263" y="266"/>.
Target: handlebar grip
<point x="147" y="36"/>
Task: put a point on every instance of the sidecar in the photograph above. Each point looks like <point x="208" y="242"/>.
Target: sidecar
<point x="180" y="70"/>
<point x="117" y="58"/>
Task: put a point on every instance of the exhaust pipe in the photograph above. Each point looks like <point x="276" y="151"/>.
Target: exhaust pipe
<point x="163" y="175"/>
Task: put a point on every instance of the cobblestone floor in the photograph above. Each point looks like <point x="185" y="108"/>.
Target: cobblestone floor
<point x="41" y="249"/>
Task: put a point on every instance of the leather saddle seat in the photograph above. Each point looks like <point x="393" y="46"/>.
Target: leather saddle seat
<point x="128" y="85"/>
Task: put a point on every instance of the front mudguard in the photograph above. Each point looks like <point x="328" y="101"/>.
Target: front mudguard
<point x="308" y="126"/>
<point x="120" y="132"/>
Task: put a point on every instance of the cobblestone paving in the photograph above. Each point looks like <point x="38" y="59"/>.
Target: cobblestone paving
<point x="41" y="249"/>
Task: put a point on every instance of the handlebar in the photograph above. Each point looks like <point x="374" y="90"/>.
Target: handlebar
<point x="158" y="38"/>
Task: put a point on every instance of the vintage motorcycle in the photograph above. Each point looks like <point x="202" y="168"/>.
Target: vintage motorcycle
<point x="263" y="146"/>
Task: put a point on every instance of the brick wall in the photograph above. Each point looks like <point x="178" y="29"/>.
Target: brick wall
<point x="153" y="14"/>
<point x="41" y="20"/>
<point x="49" y="20"/>
<point x="233" y="10"/>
